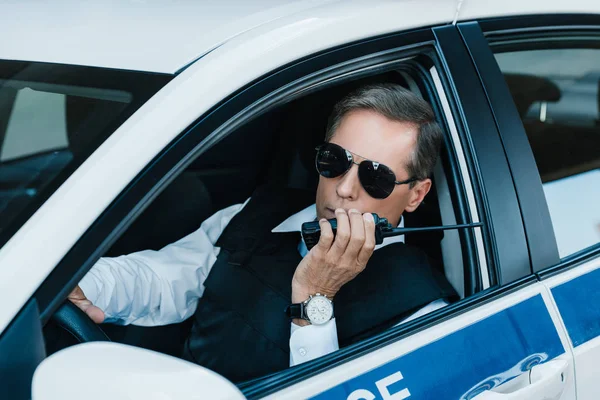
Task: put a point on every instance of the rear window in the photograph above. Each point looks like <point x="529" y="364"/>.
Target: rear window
<point x="557" y="93"/>
<point x="52" y="117"/>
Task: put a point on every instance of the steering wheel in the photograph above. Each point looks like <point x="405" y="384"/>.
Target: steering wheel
<point x="77" y="323"/>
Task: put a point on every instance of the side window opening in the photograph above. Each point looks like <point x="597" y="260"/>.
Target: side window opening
<point x="558" y="100"/>
<point x="282" y="153"/>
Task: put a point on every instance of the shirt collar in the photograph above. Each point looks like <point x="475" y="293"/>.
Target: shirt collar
<point x="294" y="224"/>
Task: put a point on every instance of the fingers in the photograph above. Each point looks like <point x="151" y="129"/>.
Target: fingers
<point x="354" y="239"/>
<point x="76" y="294"/>
<point x="78" y="298"/>
<point x="342" y="235"/>
<point x="336" y="260"/>
<point x="326" y="238"/>
<point x="369" y="244"/>
<point x="357" y="236"/>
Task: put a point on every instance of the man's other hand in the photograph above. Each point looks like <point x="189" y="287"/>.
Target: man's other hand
<point x="78" y="298"/>
<point x="335" y="261"/>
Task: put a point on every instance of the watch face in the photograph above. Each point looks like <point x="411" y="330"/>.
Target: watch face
<point x="319" y="310"/>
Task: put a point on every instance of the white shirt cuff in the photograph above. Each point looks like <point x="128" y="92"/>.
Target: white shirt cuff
<point x="89" y="287"/>
<point x="92" y="287"/>
<point x="312" y="341"/>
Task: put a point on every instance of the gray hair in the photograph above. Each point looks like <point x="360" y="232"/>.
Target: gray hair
<point x="397" y="104"/>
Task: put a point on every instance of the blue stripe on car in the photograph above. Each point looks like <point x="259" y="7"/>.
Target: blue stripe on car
<point x="465" y="363"/>
<point x="579" y="304"/>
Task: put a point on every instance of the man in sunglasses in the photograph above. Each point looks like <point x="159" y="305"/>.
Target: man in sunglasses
<point x="245" y="274"/>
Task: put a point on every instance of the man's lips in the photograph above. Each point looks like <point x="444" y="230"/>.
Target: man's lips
<point x="329" y="213"/>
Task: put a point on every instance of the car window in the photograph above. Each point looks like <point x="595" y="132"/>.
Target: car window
<point x="37" y="123"/>
<point x="229" y="161"/>
<point x="556" y="91"/>
<point x="172" y="215"/>
<point x="51" y="118"/>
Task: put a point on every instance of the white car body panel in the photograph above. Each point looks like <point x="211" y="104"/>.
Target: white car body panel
<point x="158" y="36"/>
<point x="575" y="230"/>
<point x="125" y="372"/>
<point x="586" y="355"/>
<point x="472" y="9"/>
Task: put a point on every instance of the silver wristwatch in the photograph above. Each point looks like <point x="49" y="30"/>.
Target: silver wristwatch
<point x="317" y="309"/>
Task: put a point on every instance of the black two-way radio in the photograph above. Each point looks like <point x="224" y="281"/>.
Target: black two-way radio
<point x="311" y="231"/>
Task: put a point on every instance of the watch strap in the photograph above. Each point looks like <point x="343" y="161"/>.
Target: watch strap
<point x="295" y="311"/>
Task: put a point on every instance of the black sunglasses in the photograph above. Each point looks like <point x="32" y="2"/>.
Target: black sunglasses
<point x="378" y="180"/>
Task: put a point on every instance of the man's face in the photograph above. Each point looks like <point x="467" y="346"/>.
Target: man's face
<point x="374" y="137"/>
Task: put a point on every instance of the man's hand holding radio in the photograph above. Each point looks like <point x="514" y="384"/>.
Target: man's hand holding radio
<point x="335" y="260"/>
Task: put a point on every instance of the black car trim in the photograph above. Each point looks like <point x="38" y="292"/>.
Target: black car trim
<point x="210" y="128"/>
<point x="574" y="260"/>
<point x="489" y="244"/>
<point x="538" y="22"/>
<point x="21" y="351"/>
<point x="501" y="209"/>
<point x="543" y="250"/>
<point x="538" y="40"/>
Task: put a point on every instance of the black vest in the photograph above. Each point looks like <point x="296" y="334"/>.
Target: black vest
<point x="240" y="328"/>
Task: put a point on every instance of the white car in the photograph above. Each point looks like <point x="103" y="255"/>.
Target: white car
<point x="123" y="124"/>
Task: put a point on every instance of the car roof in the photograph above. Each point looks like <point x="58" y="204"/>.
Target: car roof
<point x="475" y="9"/>
<point x="167" y="35"/>
<point x="144" y="35"/>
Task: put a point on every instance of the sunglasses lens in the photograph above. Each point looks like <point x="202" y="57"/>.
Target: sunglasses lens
<point x="332" y="160"/>
<point x="377" y="179"/>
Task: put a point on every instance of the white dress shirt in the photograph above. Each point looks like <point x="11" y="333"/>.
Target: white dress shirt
<point x="150" y="288"/>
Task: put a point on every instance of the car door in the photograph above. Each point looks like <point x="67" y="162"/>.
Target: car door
<point x="558" y="117"/>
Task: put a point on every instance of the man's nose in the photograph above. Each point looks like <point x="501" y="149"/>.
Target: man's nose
<point x="348" y="186"/>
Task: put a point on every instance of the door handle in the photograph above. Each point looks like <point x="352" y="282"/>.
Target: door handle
<point x="546" y="382"/>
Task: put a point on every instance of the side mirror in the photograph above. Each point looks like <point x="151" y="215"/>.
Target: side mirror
<point x="105" y="370"/>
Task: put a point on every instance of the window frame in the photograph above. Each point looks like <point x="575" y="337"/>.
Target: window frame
<point x="477" y="277"/>
<point x="271" y="89"/>
<point x="542" y="242"/>
<point x="502" y="209"/>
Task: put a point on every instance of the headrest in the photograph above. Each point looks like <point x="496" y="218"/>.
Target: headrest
<point x="529" y="89"/>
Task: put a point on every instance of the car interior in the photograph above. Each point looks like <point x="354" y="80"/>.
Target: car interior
<point x="563" y="144"/>
<point x="559" y="103"/>
<point x="34" y="151"/>
<point x="282" y="153"/>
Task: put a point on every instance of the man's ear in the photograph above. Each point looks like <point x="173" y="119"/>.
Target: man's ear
<point x="417" y="194"/>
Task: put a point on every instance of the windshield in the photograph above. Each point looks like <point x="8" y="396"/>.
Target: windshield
<point x="52" y="117"/>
